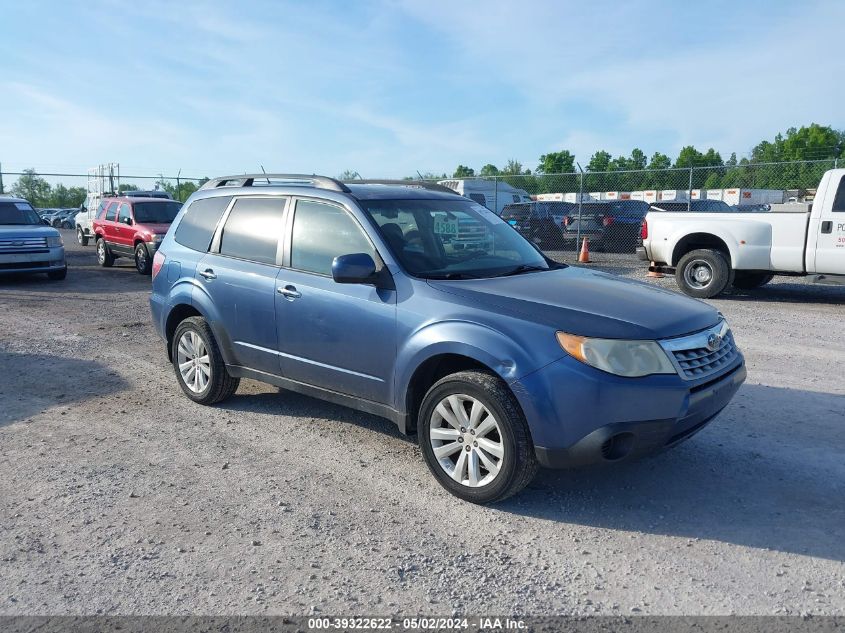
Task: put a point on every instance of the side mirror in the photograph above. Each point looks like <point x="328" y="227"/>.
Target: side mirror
<point x="127" y="221"/>
<point x="357" y="268"/>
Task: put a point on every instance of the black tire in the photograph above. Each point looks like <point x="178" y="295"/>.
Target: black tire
<point x="748" y="281"/>
<point x="143" y="264"/>
<point x="57" y="275"/>
<point x="518" y="463"/>
<point x="104" y="256"/>
<point x="710" y="263"/>
<point x="220" y="384"/>
<point x="81" y="237"/>
<point x="66" y="225"/>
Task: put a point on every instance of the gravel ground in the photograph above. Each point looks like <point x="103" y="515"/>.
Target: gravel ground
<point x="120" y="496"/>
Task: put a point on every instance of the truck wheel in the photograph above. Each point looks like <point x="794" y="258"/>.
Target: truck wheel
<point x="104" y="257"/>
<point x="142" y="259"/>
<point x="703" y="273"/>
<point x="748" y="281"/>
<point x="81" y="237"/>
<point x="200" y="370"/>
<point x="474" y="437"/>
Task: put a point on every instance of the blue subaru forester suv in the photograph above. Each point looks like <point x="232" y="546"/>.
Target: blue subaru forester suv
<point x="499" y="359"/>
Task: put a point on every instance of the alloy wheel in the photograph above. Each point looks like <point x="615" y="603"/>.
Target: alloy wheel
<point x="467" y="440"/>
<point x="194" y="362"/>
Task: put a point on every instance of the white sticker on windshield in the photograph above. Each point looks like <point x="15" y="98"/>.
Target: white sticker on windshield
<point x="485" y="212"/>
<point x="24" y="206"/>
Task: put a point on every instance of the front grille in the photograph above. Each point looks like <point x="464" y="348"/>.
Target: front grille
<point x="23" y="245"/>
<point x="695" y="359"/>
<point x="701" y="362"/>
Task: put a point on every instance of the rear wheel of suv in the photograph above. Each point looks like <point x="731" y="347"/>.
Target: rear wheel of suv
<point x="199" y="366"/>
<point x="474" y="437"/>
<point x="142" y="259"/>
<point x="104" y="256"/>
<point x="81" y="237"/>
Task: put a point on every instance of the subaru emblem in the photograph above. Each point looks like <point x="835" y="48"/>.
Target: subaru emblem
<point x="714" y="342"/>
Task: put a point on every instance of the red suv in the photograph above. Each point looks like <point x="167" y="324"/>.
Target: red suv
<point x="132" y="227"/>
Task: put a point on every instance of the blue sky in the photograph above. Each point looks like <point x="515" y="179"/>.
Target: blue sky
<point x="391" y="87"/>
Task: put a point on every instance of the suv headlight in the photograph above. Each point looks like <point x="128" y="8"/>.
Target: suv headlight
<point x="55" y="241"/>
<point x="156" y="238"/>
<point x="622" y="358"/>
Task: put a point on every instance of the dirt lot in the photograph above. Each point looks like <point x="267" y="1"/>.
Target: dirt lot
<point x="119" y="496"/>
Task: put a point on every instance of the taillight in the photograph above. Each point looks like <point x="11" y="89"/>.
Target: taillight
<point x="644" y="230"/>
<point x="607" y="220"/>
<point x="158" y="262"/>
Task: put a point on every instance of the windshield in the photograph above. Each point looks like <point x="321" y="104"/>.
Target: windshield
<point x="452" y="239"/>
<point x="18" y="213"/>
<point x="156" y="212"/>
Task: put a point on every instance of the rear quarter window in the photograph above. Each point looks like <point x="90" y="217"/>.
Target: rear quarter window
<point x="199" y="222"/>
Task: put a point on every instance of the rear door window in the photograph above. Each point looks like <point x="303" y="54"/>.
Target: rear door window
<point x="199" y="222"/>
<point x="111" y="212"/>
<point x="253" y="229"/>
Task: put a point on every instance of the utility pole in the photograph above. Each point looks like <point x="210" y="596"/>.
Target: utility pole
<point x="1" y="178"/>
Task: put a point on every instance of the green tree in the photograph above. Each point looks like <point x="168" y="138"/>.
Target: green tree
<point x="462" y="171"/>
<point x="489" y="170"/>
<point x="349" y="174"/>
<point x="33" y="188"/>
<point x="562" y="162"/>
<point x="126" y="187"/>
<point x="514" y="168"/>
<point x="600" y="161"/>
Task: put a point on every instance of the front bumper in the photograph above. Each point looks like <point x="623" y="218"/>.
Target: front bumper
<point x="579" y="415"/>
<point x="43" y="261"/>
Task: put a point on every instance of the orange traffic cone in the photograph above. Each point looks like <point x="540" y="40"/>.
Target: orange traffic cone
<point x="584" y="257"/>
<point x="653" y="272"/>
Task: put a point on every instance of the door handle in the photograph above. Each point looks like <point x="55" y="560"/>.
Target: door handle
<point x="289" y="292"/>
<point x="827" y="226"/>
<point x="208" y="274"/>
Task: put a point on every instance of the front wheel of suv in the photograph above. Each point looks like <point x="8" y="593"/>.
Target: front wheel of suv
<point x="199" y="365"/>
<point x="474" y="437"/>
<point x="142" y="259"/>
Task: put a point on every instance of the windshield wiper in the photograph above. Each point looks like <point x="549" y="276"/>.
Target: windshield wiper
<point x="523" y="268"/>
<point x="452" y="275"/>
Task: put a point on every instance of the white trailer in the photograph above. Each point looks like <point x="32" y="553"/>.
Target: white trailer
<point x="638" y="195"/>
<point x="738" y="196"/>
<point x="698" y="194"/>
<point x="617" y="195"/>
<point x="650" y="196"/>
<point x="714" y="194"/>
<point x="495" y="195"/>
<point x="594" y="195"/>
<point x="673" y="194"/>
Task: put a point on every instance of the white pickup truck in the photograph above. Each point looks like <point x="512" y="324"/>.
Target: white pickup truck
<point x="708" y="252"/>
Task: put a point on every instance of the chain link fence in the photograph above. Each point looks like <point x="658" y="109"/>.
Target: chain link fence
<point x="559" y="211"/>
<point x="555" y="211"/>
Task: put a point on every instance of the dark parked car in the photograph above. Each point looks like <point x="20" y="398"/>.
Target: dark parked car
<point x="609" y="225"/>
<point x="498" y="358"/>
<point x="539" y="222"/>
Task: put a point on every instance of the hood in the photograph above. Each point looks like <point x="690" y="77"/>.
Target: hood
<point x="11" y="231"/>
<point x="588" y="303"/>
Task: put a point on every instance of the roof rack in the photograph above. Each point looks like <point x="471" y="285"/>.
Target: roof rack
<point x="298" y="180"/>
<point x="413" y="184"/>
